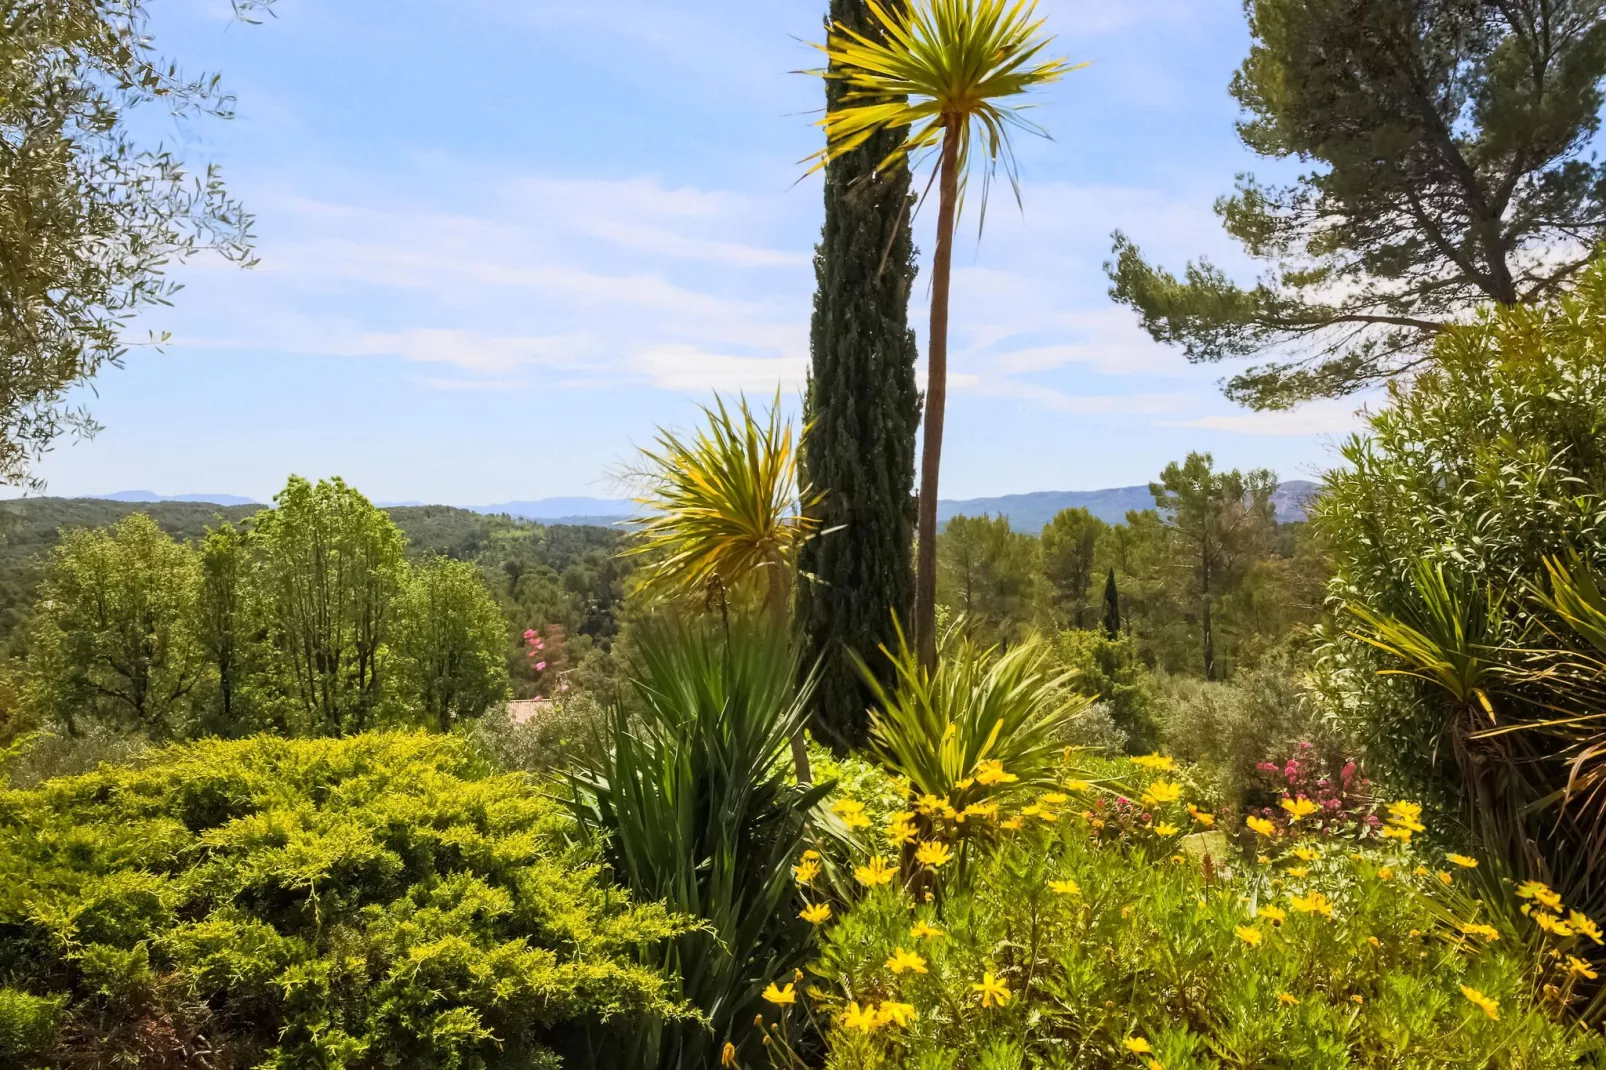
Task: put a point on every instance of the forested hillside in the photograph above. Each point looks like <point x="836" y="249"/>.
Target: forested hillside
<point x="543" y="575"/>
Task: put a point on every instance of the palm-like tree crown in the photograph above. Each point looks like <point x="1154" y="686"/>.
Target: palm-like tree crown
<point x="723" y="505"/>
<point x="943" y="64"/>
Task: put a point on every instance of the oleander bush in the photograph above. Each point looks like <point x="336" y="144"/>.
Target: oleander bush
<point x="377" y="901"/>
<point x="1179" y="938"/>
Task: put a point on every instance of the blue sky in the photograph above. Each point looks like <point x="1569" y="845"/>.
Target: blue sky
<point x="501" y="240"/>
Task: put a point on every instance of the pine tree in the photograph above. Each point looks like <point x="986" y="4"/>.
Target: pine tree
<point x="863" y="410"/>
<point x="1112" y="608"/>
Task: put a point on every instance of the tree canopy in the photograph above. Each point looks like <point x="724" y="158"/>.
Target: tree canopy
<point x="1445" y="141"/>
<point x="90" y="216"/>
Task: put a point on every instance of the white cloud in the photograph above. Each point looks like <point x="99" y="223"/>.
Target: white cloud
<point x="1337" y="416"/>
<point x="1060" y="401"/>
<point x="465" y="349"/>
<point x="688" y="368"/>
<point x="476" y="384"/>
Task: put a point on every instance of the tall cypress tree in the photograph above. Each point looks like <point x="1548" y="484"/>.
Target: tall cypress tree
<point x="1112" y="608"/>
<point x="864" y="409"/>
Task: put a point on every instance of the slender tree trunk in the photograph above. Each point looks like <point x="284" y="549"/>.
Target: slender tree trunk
<point x="1209" y="636"/>
<point x="778" y="598"/>
<point x="936" y="402"/>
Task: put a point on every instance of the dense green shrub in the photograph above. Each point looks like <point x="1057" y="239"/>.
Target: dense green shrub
<point x="1101" y="934"/>
<point x="1227" y="728"/>
<point x="367" y="902"/>
<point x="693" y="806"/>
<point x="1111" y="671"/>
<point x="1440" y="527"/>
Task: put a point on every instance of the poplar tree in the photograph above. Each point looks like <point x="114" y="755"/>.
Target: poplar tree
<point x="863" y="409"/>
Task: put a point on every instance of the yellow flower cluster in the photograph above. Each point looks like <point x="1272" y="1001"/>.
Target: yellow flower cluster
<point x="877" y="873"/>
<point x="906" y="962"/>
<point x="1156" y="763"/>
<point x="1404" y="819"/>
<point x="1299" y="809"/>
<point x="851" y="811"/>
<point x="868" y="1018"/>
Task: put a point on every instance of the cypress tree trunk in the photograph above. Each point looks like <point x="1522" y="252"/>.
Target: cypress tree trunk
<point x="864" y="407"/>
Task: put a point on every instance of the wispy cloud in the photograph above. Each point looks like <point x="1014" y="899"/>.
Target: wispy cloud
<point x="687" y="368"/>
<point x="1338" y="416"/>
<point x="470" y="385"/>
<point x="1058" y="400"/>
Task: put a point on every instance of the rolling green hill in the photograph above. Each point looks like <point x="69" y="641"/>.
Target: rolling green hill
<point x="30" y="527"/>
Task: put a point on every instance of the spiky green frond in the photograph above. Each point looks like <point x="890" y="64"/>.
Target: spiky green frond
<point x="943" y="64"/>
<point x="723" y="505"/>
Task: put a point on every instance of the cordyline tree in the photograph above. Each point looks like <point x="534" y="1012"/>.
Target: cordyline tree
<point x="90" y="217"/>
<point x="944" y="71"/>
<point x="863" y="409"/>
<point x="724" y="516"/>
<point x="1445" y="144"/>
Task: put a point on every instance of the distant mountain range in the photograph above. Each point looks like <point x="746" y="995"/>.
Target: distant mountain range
<point x="1026" y="512"/>
<point x="152" y="496"/>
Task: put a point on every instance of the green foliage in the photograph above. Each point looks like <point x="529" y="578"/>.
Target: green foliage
<point x="1110" y="671"/>
<point x="331" y="571"/>
<point x="561" y="735"/>
<point x="373" y="901"/>
<point x="1441" y="525"/>
<point x="31" y="527"/>
<point x="691" y="805"/>
<point x="1226" y="728"/>
<point x="1448" y="141"/>
<point x="230" y="631"/>
<point x="90" y="216"/>
<point x="1096" y="937"/>
<point x="447" y="646"/>
<point x="115" y="639"/>
<point x="1111" y="619"/>
<point x="1222" y="519"/>
<point x="981" y="705"/>
<point x="987" y="576"/>
<point x="1070" y="542"/>
<point x="293" y="623"/>
<point x="861" y="411"/>
<point x="724" y="509"/>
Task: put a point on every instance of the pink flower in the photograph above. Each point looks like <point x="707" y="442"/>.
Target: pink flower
<point x="563" y="687"/>
<point x="529" y="633"/>
<point x="540" y="666"/>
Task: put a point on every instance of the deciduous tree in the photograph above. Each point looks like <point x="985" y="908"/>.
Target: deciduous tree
<point x="114" y="640"/>
<point x="448" y="645"/>
<point x="332" y="567"/>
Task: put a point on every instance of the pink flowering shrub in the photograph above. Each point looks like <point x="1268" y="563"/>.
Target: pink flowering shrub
<point x="1336" y="786"/>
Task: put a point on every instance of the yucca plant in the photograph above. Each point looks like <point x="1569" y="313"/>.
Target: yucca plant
<point x="946" y="71"/>
<point x="1525" y="716"/>
<point x="981" y="705"/>
<point x="692" y="806"/>
<point x="723" y="508"/>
